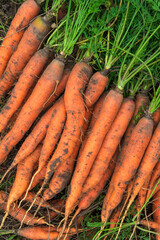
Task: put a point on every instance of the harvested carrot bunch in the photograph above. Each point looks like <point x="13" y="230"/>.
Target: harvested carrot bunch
<point x="81" y="120"/>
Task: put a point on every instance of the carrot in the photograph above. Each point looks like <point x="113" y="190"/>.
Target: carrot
<point x="110" y="143"/>
<point x="95" y="115"/>
<point x="34" y="105"/>
<point x="26" y="12"/>
<point x="53" y="132"/>
<point x="39" y="233"/>
<point x="156" y="117"/>
<point x="114" y="219"/>
<point x="29" y="75"/>
<point x="141" y="102"/>
<point x="95" y="87"/>
<point x="19" y="213"/>
<point x="28" y="45"/>
<point x="75" y="109"/>
<point x="60" y="88"/>
<point x="90" y="196"/>
<point x="149" y="160"/>
<point x="141" y="197"/>
<point x="59" y="205"/>
<point x="52" y="136"/>
<point x="38" y="132"/>
<point x="155" y="175"/>
<point x="126" y="167"/>
<point x="156" y="215"/>
<point x="39" y="176"/>
<point x="22" y="179"/>
<point x="155" y="207"/>
<point x="150" y="224"/>
<point x="63" y="173"/>
<point x="108" y="112"/>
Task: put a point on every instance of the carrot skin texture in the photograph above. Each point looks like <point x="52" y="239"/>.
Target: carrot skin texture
<point x="38" y="133"/>
<point x="39" y="176"/>
<point x="63" y="173"/>
<point x="75" y="109"/>
<point x="95" y="87"/>
<point x="26" y="12"/>
<point x="95" y="115"/>
<point x="126" y="167"/>
<point x="149" y="160"/>
<point x="53" y="132"/>
<point x="110" y="143"/>
<point x="34" y="105"/>
<point x="38" y="233"/>
<point x="28" y="77"/>
<point x="23" y="176"/>
<point x="28" y="45"/>
<point x="156" y="117"/>
<point x="141" y="102"/>
<point x="108" y="112"/>
<point x="155" y="175"/>
<point x="60" y="88"/>
<point x="18" y="213"/>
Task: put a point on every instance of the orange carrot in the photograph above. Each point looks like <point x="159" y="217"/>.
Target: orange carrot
<point x="95" y="115"/>
<point x="141" y="102"/>
<point x="108" y="112"/>
<point x="141" y="198"/>
<point x="156" y="117"/>
<point x="148" y="162"/>
<point x="40" y="233"/>
<point x="22" y="179"/>
<point x="19" y="213"/>
<point x="34" y="105"/>
<point x="26" y="12"/>
<point x="156" y="208"/>
<point x="154" y="176"/>
<point x="126" y="167"/>
<point x="39" y="176"/>
<point x="115" y="216"/>
<point x="53" y="132"/>
<point x="110" y="143"/>
<point x="95" y="87"/>
<point x="60" y="88"/>
<point x="90" y="196"/>
<point x="29" y="75"/>
<point x="28" y="45"/>
<point x="75" y="109"/>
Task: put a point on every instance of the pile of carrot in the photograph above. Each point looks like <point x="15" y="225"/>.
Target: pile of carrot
<point x="78" y="127"/>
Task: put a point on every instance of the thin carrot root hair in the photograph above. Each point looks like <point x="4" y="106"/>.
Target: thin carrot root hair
<point x="27" y="190"/>
<point x="4" y="218"/>
<point x="34" y="200"/>
<point x="5" y="174"/>
<point x="63" y="228"/>
<point x="70" y="224"/>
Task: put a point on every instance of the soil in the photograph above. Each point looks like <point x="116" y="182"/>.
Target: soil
<point x="7" y="11"/>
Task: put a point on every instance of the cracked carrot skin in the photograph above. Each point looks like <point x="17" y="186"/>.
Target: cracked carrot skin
<point x="27" y="79"/>
<point x="127" y="165"/>
<point x="28" y="45"/>
<point x="34" y="105"/>
<point x="108" y="112"/>
<point x="26" y="12"/>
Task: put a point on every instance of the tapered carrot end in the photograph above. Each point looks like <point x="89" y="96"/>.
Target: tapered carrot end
<point x="8" y="170"/>
<point x="4" y="218"/>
